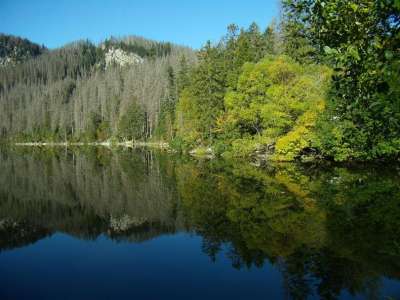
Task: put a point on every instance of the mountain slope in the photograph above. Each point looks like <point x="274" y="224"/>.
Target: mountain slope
<point x="15" y="49"/>
<point x="87" y="92"/>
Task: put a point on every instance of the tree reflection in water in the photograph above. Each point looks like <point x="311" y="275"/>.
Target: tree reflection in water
<point x="328" y="229"/>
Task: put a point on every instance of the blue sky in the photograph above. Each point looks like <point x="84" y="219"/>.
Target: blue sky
<point x="57" y="22"/>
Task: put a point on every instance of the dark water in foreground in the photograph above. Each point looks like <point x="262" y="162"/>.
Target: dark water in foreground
<point x="136" y="224"/>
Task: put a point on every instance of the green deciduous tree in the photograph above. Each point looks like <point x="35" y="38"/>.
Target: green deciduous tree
<point x="360" y="39"/>
<point x="275" y="104"/>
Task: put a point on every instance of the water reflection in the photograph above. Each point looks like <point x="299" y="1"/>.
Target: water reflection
<point x="327" y="229"/>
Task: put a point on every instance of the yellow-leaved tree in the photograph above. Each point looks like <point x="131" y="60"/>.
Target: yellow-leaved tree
<point x="275" y="105"/>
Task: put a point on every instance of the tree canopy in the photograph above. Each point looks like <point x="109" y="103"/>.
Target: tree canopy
<point x="321" y="83"/>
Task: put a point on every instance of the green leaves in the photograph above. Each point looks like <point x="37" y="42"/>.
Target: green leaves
<point x="131" y="123"/>
<point x="280" y="100"/>
<point x="388" y="54"/>
<point x="360" y="39"/>
<point x="209" y="92"/>
<point x="330" y="51"/>
<point x="276" y="101"/>
<point x="354" y="7"/>
<point x="353" y="52"/>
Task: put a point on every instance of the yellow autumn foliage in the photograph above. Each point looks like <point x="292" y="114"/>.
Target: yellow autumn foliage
<point x="277" y="102"/>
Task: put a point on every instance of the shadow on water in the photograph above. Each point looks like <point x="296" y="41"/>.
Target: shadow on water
<point x="328" y="230"/>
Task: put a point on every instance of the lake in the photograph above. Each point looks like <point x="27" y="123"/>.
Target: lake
<point x="141" y="224"/>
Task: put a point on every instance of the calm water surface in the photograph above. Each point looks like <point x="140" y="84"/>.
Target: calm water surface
<point x="137" y="224"/>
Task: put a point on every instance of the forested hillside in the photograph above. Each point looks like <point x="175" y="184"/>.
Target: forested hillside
<point x="323" y="82"/>
<point x="71" y="94"/>
<point x="14" y="49"/>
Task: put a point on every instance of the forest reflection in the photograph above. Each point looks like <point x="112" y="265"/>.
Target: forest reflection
<point x="327" y="229"/>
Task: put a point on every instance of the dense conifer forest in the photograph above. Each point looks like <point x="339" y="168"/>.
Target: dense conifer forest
<point x="14" y="49"/>
<point x="321" y="82"/>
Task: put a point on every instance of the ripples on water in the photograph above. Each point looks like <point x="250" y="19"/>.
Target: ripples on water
<point x="93" y="224"/>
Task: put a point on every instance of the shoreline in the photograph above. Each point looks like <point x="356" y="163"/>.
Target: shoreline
<point x="161" y="145"/>
<point x="200" y="153"/>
